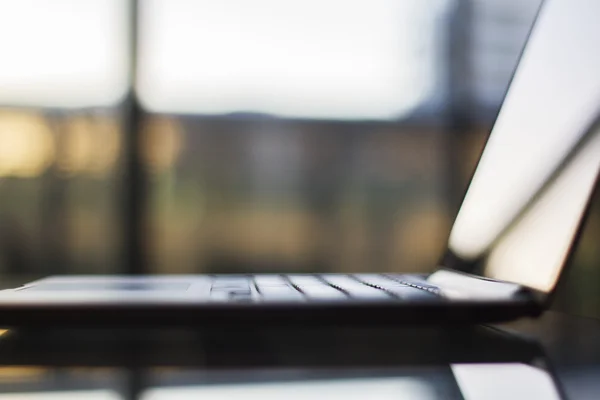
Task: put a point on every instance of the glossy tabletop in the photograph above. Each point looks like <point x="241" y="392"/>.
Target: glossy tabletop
<point x="557" y="356"/>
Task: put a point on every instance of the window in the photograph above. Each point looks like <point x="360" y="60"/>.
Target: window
<point x="335" y="59"/>
<point x="62" y="53"/>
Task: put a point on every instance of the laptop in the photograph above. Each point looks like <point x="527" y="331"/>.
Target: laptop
<point x="509" y="245"/>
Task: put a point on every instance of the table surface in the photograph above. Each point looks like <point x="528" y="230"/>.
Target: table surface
<point x="556" y="356"/>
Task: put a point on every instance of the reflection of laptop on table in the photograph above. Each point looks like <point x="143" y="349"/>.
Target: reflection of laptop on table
<point x="508" y="246"/>
<point x="424" y="362"/>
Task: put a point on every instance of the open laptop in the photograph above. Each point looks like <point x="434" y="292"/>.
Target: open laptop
<point x="507" y="249"/>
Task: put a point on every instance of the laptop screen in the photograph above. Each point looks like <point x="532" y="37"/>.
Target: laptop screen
<point x="536" y="174"/>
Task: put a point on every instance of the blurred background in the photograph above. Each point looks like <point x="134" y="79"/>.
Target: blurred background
<point x="259" y="136"/>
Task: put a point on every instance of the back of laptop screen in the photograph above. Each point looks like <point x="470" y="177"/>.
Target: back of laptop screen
<point x="516" y="222"/>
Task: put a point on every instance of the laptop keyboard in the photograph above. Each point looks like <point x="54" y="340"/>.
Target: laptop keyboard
<point x="321" y="287"/>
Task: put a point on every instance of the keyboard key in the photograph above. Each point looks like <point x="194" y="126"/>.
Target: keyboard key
<point x="230" y="295"/>
<point x="306" y="280"/>
<point x="280" y="294"/>
<point x="315" y="289"/>
<point x="396" y="288"/>
<point x="378" y="280"/>
<point x="413" y="280"/>
<point x="412" y="293"/>
<point x="323" y="293"/>
<point x="240" y="296"/>
<point x="356" y="289"/>
<point x="231" y="283"/>
<point x="219" y="295"/>
<point x="270" y="280"/>
<point x="239" y="291"/>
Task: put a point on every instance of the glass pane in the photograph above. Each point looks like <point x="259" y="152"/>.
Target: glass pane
<point x="313" y="59"/>
<point x="269" y="170"/>
<point x="62" y="53"/>
<point x="62" y="74"/>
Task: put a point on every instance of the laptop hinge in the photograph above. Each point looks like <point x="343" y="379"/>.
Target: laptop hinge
<point x="459" y="285"/>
